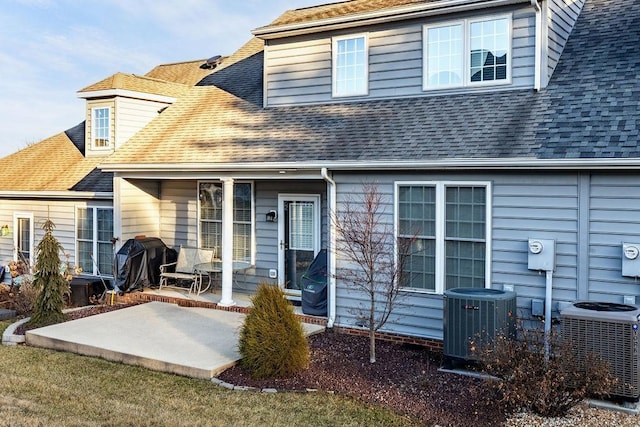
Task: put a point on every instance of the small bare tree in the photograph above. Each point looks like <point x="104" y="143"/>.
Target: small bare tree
<point x="375" y="260"/>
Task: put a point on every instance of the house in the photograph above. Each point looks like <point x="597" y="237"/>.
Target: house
<point x="58" y="177"/>
<point x="484" y="123"/>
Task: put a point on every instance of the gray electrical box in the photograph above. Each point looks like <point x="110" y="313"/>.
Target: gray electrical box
<point x="542" y="254"/>
<point x="631" y="259"/>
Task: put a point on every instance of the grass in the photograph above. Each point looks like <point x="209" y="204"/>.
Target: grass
<point x="49" y="388"/>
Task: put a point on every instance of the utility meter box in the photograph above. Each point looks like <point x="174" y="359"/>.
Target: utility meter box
<point x="631" y="259"/>
<point x="542" y="254"/>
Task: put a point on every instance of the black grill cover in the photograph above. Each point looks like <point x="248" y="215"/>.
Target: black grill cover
<point x="314" y="286"/>
<point x="137" y="263"/>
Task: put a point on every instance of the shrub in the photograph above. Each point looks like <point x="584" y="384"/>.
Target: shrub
<point x="272" y="342"/>
<point x="24" y="297"/>
<point x="547" y="387"/>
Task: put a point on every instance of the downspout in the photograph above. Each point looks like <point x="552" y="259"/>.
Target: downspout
<point x="331" y="307"/>
<point x="537" y="84"/>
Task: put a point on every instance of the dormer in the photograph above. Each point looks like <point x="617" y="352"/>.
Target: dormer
<point x="122" y="104"/>
<point x="360" y="50"/>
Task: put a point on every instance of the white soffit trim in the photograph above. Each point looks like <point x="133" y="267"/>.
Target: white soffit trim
<point x="378" y="16"/>
<point x="300" y="167"/>
<point x="126" y="94"/>
<point x="56" y="195"/>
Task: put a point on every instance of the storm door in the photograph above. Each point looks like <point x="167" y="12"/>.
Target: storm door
<point x="298" y="238"/>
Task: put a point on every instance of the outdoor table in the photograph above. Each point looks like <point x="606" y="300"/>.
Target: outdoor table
<point x="214" y="267"/>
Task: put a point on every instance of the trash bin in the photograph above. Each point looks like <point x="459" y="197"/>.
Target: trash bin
<point x="314" y="286"/>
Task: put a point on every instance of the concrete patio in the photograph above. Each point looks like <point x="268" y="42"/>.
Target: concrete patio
<point x="194" y="342"/>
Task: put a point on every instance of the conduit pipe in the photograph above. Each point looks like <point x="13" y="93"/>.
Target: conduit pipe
<point x="547" y="312"/>
<point x="331" y="306"/>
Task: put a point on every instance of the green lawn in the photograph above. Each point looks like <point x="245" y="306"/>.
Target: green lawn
<point x="42" y="387"/>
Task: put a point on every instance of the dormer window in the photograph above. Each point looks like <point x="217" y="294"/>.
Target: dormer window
<point x="467" y="53"/>
<point x="350" y="65"/>
<point x="101" y="127"/>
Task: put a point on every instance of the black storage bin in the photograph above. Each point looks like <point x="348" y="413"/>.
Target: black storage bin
<point x="82" y="289"/>
<point x="314" y="286"/>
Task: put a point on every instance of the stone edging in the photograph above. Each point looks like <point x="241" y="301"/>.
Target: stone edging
<point x="230" y="386"/>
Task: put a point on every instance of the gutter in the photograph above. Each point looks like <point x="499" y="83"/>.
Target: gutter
<point x="287" y="169"/>
<point x="377" y="17"/>
<point x="56" y="195"/>
<point x="331" y="307"/>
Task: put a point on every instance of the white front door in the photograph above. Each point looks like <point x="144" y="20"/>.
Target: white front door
<point x="298" y="238"/>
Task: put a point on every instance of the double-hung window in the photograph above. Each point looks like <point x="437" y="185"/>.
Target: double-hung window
<point x="467" y="52"/>
<point x="350" y="65"/>
<point x="101" y="129"/>
<point x="94" y="248"/>
<point x="448" y="226"/>
<point x="23" y="237"/>
<point x="210" y="199"/>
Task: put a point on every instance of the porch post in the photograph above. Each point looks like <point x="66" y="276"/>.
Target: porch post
<point x="227" y="243"/>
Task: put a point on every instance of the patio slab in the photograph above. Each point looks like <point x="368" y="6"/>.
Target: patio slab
<point x="194" y="342"/>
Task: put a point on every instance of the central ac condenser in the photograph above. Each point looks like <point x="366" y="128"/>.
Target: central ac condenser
<point x="475" y="315"/>
<point x="610" y="331"/>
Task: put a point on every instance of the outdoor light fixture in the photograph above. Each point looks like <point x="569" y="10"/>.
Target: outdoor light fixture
<point x="4" y="230"/>
<point x="271" y="216"/>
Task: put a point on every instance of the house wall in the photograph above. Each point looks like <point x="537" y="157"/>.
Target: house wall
<point x="589" y="215"/>
<point x="139" y="205"/>
<point x="62" y="213"/>
<point x="132" y="115"/>
<point x="298" y="69"/>
<point x="561" y="17"/>
<point x="178" y="219"/>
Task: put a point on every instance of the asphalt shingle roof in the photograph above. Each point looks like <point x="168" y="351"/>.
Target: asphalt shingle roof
<point x="590" y="109"/>
<point x="139" y="84"/>
<point x="54" y="164"/>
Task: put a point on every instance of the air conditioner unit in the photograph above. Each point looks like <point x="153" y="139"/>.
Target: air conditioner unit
<point x="610" y="331"/>
<point x="478" y="315"/>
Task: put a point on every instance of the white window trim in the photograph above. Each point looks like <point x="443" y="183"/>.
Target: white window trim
<point x="109" y="147"/>
<point x="16" y="217"/>
<point x="94" y="237"/>
<point x="253" y="214"/>
<point x="440" y="187"/>
<point x="466" y="66"/>
<point x="334" y="62"/>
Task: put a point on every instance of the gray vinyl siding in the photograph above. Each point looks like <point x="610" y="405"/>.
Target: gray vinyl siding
<point x="562" y="16"/>
<point x="589" y="215"/>
<point x="131" y="115"/>
<point x="179" y="221"/>
<point x="62" y="213"/>
<point x="298" y="69"/>
<point x="139" y="205"/>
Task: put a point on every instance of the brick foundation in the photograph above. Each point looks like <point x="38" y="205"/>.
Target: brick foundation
<point x="428" y="343"/>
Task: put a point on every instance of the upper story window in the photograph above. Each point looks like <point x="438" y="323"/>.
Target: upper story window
<point x="467" y="52"/>
<point x="350" y="65"/>
<point x="101" y="128"/>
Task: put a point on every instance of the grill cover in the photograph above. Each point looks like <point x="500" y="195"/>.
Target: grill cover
<point x="314" y="286"/>
<point x="137" y="263"/>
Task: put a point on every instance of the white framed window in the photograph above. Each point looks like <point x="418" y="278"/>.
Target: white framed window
<point x="94" y="248"/>
<point x="450" y="225"/>
<point x="467" y="52"/>
<point x="101" y="127"/>
<point x="23" y="235"/>
<point x="350" y="65"/>
<point x="210" y="197"/>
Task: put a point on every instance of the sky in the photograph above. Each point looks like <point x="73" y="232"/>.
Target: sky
<point x="50" y="49"/>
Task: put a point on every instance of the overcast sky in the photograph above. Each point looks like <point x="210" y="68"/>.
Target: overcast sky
<point x="49" y="49"/>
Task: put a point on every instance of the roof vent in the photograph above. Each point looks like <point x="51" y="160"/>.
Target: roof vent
<point x="212" y="62"/>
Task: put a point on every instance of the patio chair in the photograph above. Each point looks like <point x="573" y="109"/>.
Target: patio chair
<point x="184" y="268"/>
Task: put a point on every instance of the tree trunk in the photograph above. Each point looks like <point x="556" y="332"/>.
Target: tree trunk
<point x="372" y="346"/>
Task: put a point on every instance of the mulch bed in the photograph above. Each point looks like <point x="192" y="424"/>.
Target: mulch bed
<point x="404" y="378"/>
